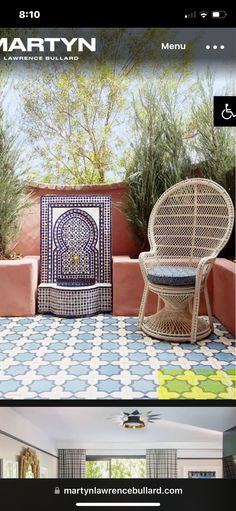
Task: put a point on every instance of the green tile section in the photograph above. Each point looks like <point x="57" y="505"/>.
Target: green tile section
<point x="196" y="384"/>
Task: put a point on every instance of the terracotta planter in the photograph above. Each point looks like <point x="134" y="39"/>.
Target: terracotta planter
<point x="18" y="286"/>
<point x="224" y="293"/>
<point x="128" y="287"/>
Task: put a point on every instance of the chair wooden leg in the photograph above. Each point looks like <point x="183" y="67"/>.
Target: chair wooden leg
<point x="208" y="307"/>
<point x="143" y="306"/>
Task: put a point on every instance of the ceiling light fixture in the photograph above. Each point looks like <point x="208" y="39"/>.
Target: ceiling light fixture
<point x="133" y="422"/>
<point x="135" y="419"/>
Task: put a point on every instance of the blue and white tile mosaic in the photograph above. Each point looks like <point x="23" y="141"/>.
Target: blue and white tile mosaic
<point x="102" y="357"/>
<point x="75" y="255"/>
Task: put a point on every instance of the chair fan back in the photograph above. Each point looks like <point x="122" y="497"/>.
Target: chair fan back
<point x="192" y="219"/>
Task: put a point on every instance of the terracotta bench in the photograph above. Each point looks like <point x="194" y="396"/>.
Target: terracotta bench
<point x="18" y="286"/>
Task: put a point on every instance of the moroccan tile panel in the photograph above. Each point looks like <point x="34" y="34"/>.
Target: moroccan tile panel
<point x="75" y="237"/>
<point x="75" y="253"/>
<point x="72" y="302"/>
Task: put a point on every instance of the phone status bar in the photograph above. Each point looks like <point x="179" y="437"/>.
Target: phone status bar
<point x="97" y="17"/>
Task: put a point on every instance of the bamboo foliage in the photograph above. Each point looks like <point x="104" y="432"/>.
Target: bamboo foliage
<point x="214" y="146"/>
<point x="14" y="198"/>
<point x="159" y="158"/>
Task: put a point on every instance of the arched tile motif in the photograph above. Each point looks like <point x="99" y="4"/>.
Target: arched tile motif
<point x="75" y="256"/>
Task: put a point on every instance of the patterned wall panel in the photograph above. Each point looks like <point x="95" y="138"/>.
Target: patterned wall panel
<point x="75" y="253"/>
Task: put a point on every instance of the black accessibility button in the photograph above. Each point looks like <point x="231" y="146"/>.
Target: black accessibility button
<point x="224" y="111"/>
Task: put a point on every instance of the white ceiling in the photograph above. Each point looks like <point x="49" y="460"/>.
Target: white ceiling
<point x="92" y="425"/>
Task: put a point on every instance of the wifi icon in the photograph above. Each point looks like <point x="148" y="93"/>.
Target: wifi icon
<point x="203" y="14"/>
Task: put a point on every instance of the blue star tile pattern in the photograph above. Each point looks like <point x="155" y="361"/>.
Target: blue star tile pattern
<point x="102" y="357"/>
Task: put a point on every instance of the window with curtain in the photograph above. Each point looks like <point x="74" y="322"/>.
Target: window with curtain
<point x="158" y="464"/>
<point x="115" y="467"/>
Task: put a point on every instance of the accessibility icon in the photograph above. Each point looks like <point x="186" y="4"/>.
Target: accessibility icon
<point x="227" y="113"/>
<point x="224" y="111"/>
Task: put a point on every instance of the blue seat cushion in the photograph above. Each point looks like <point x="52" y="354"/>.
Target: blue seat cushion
<point x="172" y="275"/>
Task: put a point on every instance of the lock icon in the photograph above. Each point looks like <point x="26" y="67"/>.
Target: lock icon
<point x="57" y="491"/>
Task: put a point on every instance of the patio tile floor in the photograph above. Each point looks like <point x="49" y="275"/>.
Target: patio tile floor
<point x="102" y="357"/>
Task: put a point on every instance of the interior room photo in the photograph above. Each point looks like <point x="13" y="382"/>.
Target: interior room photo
<point x="117" y="442"/>
<point x="117" y="238"/>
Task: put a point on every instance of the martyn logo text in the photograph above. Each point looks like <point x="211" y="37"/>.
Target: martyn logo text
<point x="47" y="44"/>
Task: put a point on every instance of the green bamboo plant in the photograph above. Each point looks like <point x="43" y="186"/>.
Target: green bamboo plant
<point x="159" y="158"/>
<point x="14" y="197"/>
<point x="214" y="146"/>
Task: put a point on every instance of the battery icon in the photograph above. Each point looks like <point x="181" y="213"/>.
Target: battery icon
<point x="218" y="14"/>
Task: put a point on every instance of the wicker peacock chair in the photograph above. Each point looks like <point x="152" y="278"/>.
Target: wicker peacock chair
<point x="188" y="227"/>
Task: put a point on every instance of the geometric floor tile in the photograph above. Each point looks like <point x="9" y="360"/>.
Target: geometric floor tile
<point x="104" y="357"/>
<point x="196" y="383"/>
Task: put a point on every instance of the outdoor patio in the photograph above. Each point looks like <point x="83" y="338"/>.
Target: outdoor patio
<point x="106" y="356"/>
<point x="46" y="357"/>
<point x="117" y="237"/>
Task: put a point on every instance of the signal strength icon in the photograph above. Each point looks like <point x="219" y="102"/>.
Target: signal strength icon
<point x="203" y="14"/>
<point x="191" y="15"/>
